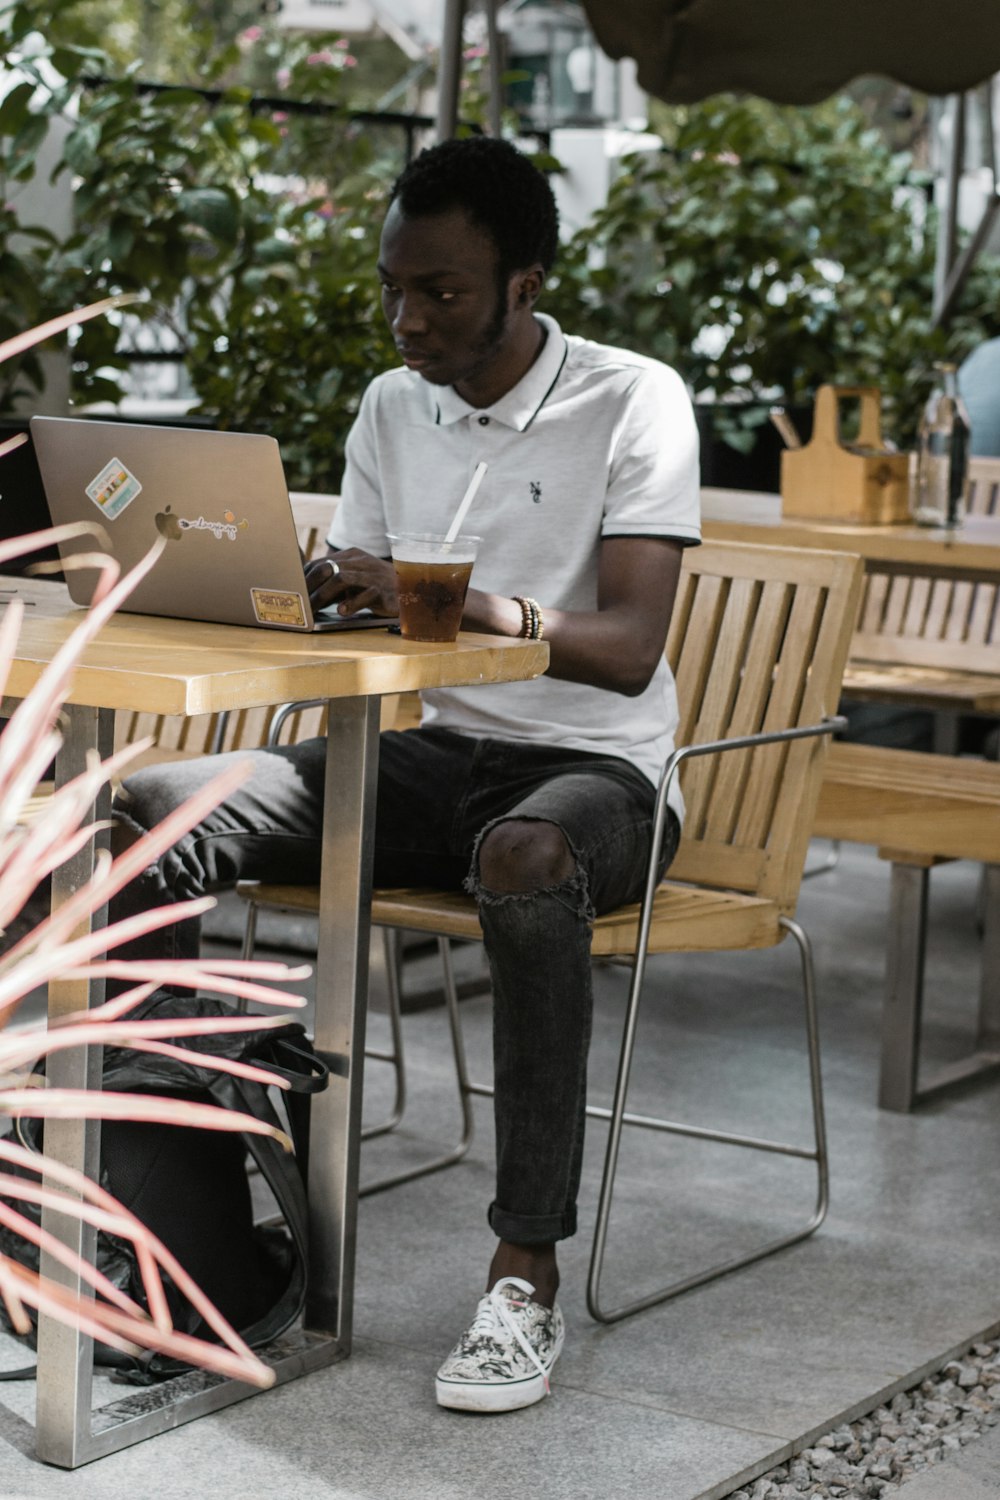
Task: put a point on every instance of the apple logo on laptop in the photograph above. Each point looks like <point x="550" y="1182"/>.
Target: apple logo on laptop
<point x="168" y="525"/>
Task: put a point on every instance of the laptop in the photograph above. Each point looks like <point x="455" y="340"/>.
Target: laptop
<point x="218" y="498"/>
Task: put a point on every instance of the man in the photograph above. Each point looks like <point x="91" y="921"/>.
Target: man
<point x="537" y="796"/>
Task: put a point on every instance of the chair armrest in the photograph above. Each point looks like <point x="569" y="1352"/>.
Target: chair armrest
<point x="284" y="711"/>
<point x="828" y="725"/>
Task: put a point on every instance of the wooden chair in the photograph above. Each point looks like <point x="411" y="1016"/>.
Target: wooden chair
<point x="984" y="486"/>
<point x="932" y="642"/>
<point x="758" y="642"/>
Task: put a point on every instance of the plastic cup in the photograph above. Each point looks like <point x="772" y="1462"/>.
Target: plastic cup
<point x="432" y="579"/>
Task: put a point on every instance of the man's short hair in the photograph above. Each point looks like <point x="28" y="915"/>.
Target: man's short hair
<point x="499" y="188"/>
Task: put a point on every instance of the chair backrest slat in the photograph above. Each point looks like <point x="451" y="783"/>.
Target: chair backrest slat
<point x="984" y="486"/>
<point x="758" y="642"/>
<point x="782" y="709"/>
<point x="873" y="602"/>
<point x="931" y="622"/>
<point x="713" y="712"/>
<point x="920" y="606"/>
<point x="762" y="635"/>
<point x="936" y="622"/>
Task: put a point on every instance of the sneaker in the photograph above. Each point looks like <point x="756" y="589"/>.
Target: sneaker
<point x="503" y="1360"/>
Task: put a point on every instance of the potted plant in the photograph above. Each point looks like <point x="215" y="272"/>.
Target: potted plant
<point x="764" y="251"/>
<point x="52" y="948"/>
<point x="251" y="232"/>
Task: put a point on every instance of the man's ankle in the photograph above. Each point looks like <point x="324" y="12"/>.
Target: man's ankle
<point x="535" y="1264"/>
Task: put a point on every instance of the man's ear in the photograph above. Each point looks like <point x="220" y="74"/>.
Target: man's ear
<point x="527" y="285"/>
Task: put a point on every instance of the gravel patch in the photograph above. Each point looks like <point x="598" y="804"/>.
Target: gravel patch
<point x="917" y="1429"/>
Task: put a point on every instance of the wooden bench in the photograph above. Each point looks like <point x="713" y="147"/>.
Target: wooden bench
<point x="920" y="810"/>
<point x="928" y="642"/>
<point x="932" y="642"/>
<point x="927" y="637"/>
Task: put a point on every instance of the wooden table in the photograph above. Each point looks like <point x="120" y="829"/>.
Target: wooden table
<point x="164" y="666"/>
<point x="971" y="551"/>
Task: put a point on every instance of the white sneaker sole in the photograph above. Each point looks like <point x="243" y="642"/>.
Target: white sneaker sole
<point x="494" y="1396"/>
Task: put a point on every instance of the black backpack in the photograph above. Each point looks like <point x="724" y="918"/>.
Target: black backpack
<point x="191" y="1187"/>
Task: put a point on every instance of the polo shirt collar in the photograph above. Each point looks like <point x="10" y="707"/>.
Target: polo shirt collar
<point x="519" y="407"/>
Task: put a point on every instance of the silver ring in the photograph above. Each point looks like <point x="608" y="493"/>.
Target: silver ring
<point x="335" y="567"/>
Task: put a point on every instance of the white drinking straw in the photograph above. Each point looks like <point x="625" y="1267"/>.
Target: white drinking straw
<point x="466" y="501"/>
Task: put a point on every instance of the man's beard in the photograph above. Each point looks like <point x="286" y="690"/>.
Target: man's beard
<point x="492" y="339"/>
<point x="493" y="336"/>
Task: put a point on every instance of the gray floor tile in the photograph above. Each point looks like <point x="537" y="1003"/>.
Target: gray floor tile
<point x="971" y="1474"/>
<point x="369" y="1430"/>
<point x="686" y="1401"/>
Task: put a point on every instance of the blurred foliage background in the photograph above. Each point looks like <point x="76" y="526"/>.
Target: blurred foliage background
<point x="761" y="251"/>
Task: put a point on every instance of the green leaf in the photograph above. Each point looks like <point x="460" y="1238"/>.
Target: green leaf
<point x="273" y="251"/>
<point x="80" y="150"/>
<point x="24" y="147"/>
<point x="14" y="109"/>
<point x="213" y="210"/>
<point x="121" y="238"/>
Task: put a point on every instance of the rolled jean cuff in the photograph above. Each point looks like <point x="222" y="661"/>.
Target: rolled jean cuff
<point x="532" y="1229"/>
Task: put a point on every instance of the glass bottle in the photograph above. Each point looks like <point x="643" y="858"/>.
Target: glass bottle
<point x="943" y="454"/>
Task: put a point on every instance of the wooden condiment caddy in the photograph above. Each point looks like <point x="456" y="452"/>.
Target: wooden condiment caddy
<point x="862" y="481"/>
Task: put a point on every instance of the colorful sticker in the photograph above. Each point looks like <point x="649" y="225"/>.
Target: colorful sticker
<point x="274" y="607"/>
<point x="113" y="489"/>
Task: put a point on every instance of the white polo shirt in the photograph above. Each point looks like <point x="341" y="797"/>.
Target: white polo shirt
<point x="594" y="442"/>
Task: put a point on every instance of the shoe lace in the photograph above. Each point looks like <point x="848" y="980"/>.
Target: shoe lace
<point x="494" y="1316"/>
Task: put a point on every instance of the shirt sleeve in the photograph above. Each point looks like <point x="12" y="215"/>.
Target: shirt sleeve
<point x="359" y="520"/>
<point x="653" y="485"/>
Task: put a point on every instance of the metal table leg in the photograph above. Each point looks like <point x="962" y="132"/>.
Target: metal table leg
<point x="341" y="1005"/>
<point x="67" y="1432"/>
<point x="66" y="1357"/>
<point x="904" y="987"/>
<point x="988" y="1039"/>
<point x="901" y="1017"/>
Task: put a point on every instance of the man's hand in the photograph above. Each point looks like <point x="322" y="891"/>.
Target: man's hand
<point x="352" y="580"/>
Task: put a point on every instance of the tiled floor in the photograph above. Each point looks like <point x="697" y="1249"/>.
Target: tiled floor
<point x="686" y="1401"/>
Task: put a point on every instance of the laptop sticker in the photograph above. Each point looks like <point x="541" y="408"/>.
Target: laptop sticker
<point x="277" y="607"/>
<point x="113" y="489"/>
<point x="171" y="526"/>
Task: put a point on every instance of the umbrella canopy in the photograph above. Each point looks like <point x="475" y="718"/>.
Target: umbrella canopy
<point x="798" y="51"/>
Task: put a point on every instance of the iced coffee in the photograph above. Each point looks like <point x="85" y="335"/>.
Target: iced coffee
<point x="432" y="579"/>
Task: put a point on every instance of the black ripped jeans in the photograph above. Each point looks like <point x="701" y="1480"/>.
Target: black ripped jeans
<point x="439" y="793"/>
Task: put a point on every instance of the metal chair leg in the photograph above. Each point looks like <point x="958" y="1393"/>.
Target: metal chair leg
<point x="395" y="1056"/>
<point x="394" y="1053"/>
<point x="465" y="1090"/>
<point x="618" y="1118"/>
<point x="830" y="862"/>
<point x="249" y="944"/>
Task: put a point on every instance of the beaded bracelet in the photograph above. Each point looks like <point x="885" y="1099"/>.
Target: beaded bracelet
<point x="532" y="620"/>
